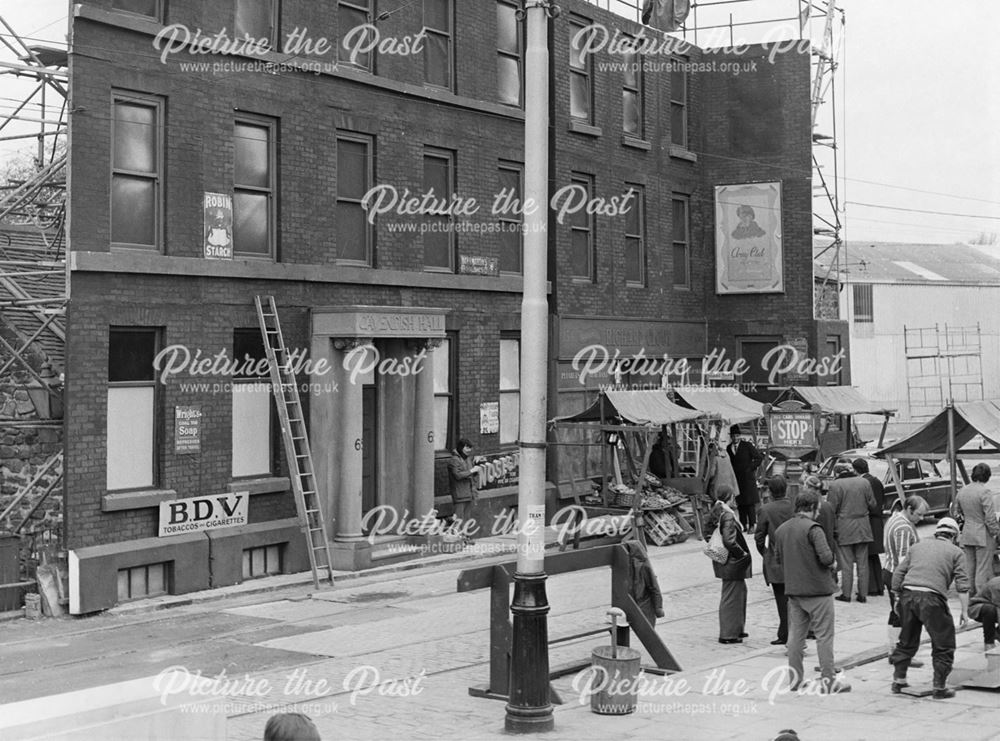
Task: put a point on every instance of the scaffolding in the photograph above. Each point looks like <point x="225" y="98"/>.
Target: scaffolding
<point x="942" y="365"/>
<point x="33" y="292"/>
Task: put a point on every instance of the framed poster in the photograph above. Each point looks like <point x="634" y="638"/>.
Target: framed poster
<point x="187" y="429"/>
<point x="489" y="417"/>
<point x="748" y="238"/>
<point x="218" y="226"/>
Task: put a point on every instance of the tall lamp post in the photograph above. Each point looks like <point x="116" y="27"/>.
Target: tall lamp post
<point x="529" y="709"/>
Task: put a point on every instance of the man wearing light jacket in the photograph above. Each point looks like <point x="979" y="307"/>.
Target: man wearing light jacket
<point x="974" y="505"/>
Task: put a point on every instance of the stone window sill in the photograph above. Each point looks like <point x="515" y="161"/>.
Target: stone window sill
<point x="262" y="485"/>
<point x="120" y="501"/>
<point x="631" y="141"/>
<point x="580" y="127"/>
<point x="682" y="153"/>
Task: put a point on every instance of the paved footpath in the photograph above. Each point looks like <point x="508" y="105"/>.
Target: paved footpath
<point x="724" y="692"/>
<point x="393" y="656"/>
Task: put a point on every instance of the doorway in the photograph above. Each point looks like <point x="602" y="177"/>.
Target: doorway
<point x="369" y="453"/>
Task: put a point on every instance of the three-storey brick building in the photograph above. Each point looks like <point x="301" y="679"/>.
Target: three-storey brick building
<point x="204" y="173"/>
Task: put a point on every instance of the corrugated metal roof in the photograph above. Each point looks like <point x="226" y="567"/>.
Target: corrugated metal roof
<point x="889" y="262"/>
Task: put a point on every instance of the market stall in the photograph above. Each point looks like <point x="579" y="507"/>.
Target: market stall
<point x="722" y="407"/>
<point x="947" y="436"/>
<point x="627" y="425"/>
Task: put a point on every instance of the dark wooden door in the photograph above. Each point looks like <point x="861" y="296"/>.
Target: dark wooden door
<point x="369" y="424"/>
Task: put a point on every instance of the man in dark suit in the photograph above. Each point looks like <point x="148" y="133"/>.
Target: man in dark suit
<point x="876" y="584"/>
<point x="745" y="459"/>
<point x="776" y="512"/>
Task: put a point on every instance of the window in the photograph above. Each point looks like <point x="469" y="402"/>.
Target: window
<point x="635" y="238"/>
<point x="444" y="393"/>
<point x="678" y="104"/>
<point x="149" y="8"/>
<point x="633" y="99"/>
<point x="251" y="428"/>
<point x="142" y="581"/>
<point x="253" y="188"/>
<point x="439" y="239"/>
<point x="438" y="63"/>
<point x="355" y="235"/>
<point x="350" y="15"/>
<point x="256" y="19"/>
<point x="832" y="351"/>
<point x="510" y="390"/>
<point x="136" y="186"/>
<point x="581" y="68"/>
<point x="864" y="310"/>
<point x="132" y="418"/>
<point x="681" y="242"/>
<point x="753" y="352"/>
<point x="582" y="233"/>
<point x="911" y="470"/>
<point x="510" y="53"/>
<point x="262" y="561"/>
<point x="929" y="469"/>
<point x="511" y="218"/>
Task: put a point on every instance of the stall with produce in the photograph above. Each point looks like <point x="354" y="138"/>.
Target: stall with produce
<point x="658" y="454"/>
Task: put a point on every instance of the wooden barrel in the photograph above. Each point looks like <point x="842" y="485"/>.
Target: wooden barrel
<point x="615" y="680"/>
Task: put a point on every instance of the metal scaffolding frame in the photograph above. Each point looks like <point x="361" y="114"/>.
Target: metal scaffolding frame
<point x="33" y="278"/>
<point x="942" y="365"/>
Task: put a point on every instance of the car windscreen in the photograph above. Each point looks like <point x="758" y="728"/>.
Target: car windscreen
<point x="879" y="469"/>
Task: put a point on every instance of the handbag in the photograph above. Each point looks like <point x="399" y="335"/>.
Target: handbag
<point x="716" y="549"/>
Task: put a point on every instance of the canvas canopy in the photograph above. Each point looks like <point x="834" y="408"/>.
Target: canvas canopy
<point x="839" y="400"/>
<point x="727" y="404"/>
<point x="970" y="418"/>
<point x="638" y="407"/>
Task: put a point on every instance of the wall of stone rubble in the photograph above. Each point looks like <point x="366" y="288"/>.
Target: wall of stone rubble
<point x="23" y="451"/>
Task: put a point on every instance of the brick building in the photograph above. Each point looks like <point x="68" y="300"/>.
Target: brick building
<point x="203" y="175"/>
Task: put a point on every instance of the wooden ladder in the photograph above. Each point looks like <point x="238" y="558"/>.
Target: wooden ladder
<point x="296" y="438"/>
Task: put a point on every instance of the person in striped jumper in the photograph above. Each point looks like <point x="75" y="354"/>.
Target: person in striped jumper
<point x="899" y="534"/>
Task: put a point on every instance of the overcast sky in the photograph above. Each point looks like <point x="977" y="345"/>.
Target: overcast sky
<point x="918" y="98"/>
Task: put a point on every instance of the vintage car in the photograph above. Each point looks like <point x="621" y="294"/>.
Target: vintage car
<point x="925" y="478"/>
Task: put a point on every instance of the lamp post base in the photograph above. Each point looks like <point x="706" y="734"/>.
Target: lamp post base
<point x="529" y="709"/>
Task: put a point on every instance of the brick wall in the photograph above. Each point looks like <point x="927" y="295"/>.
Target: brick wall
<point x="614" y="166"/>
<point x="202" y="314"/>
<point x="757" y="128"/>
<point x="308" y="110"/>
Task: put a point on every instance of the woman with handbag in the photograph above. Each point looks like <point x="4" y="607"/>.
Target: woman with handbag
<point x="724" y="527"/>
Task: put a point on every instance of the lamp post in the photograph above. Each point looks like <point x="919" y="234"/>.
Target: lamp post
<point x="529" y="709"/>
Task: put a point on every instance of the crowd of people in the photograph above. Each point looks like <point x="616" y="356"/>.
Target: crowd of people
<point x="831" y="545"/>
